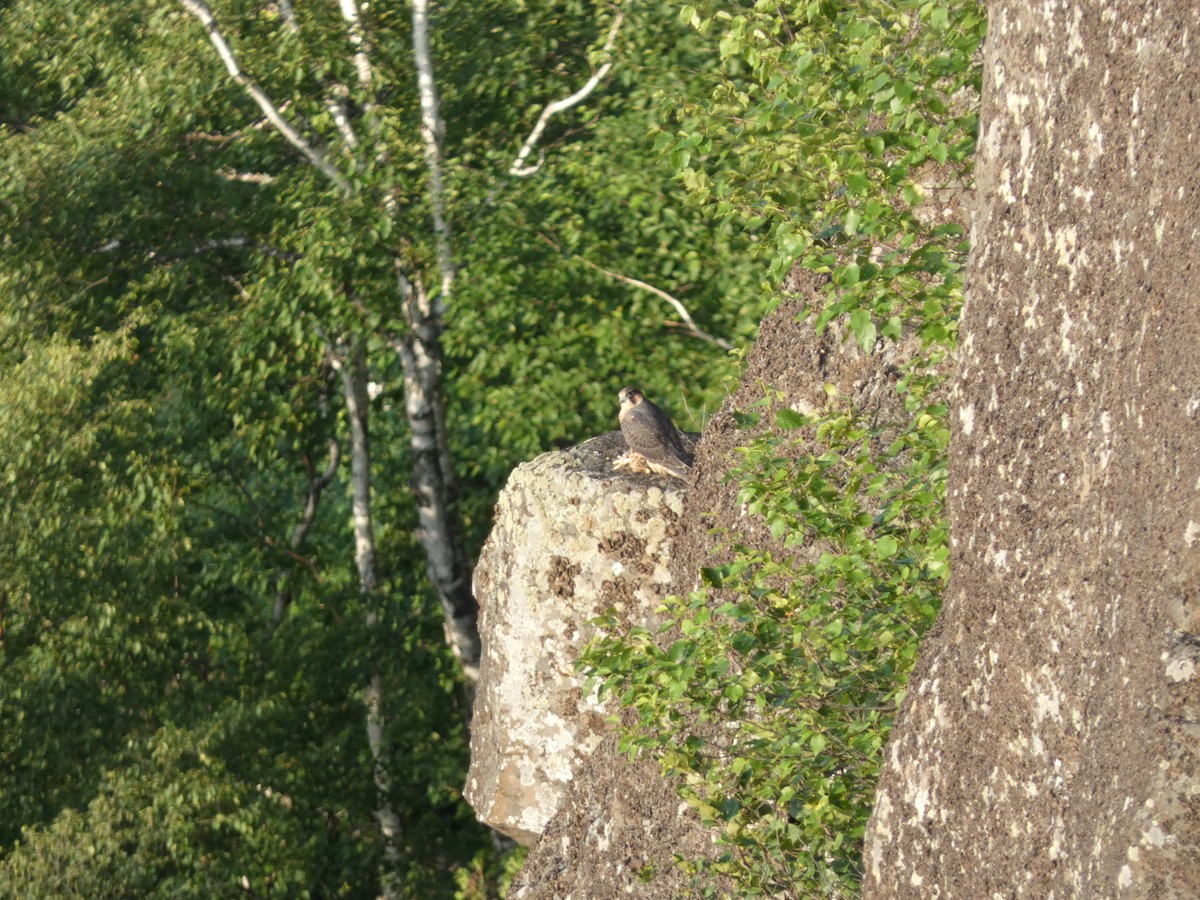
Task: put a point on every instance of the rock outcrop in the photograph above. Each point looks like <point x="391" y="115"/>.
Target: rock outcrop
<point x="1049" y="745"/>
<point x="1050" y="742"/>
<point x="572" y="538"/>
<point x="621" y="824"/>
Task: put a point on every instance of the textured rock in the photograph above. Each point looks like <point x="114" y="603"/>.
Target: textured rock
<point x="571" y="539"/>
<point x="1049" y="743"/>
<point x="796" y="364"/>
<point x="621" y="824"/>
<point x="615" y="836"/>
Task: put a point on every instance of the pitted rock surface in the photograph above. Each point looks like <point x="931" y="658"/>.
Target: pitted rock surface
<point x="572" y="538"/>
<point x="1050" y="742"/>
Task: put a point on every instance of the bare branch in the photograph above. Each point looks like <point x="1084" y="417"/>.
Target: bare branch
<point x="215" y="138"/>
<point x="247" y="177"/>
<point x="316" y="486"/>
<point x="198" y="249"/>
<point x="313" y="154"/>
<point x="689" y="323"/>
<point x="518" y="168"/>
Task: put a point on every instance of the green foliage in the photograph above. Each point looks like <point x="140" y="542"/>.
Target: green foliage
<point x="770" y="694"/>
<point x="170" y="271"/>
<point x="773" y="708"/>
<point x="542" y="370"/>
<point x="833" y="123"/>
<point x="145" y="705"/>
<point x="489" y="874"/>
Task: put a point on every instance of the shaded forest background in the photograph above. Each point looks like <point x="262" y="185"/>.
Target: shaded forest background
<point x="227" y="479"/>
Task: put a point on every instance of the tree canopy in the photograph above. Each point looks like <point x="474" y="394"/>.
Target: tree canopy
<point x="193" y="658"/>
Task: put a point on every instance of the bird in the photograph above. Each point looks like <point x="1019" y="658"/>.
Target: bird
<point x="652" y="437"/>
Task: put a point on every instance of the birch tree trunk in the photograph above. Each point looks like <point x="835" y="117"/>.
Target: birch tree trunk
<point x="420" y="351"/>
<point x="354" y="384"/>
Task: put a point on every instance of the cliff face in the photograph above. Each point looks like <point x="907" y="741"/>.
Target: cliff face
<point x="617" y="825"/>
<point x="1049" y="743"/>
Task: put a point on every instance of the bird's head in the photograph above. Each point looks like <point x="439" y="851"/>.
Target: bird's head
<point x="630" y="397"/>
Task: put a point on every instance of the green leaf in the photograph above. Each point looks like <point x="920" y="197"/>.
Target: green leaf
<point x="789" y="419"/>
<point x="858" y="183"/>
<point x="863" y="328"/>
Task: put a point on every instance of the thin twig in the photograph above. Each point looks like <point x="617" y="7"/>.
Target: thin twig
<point x="316" y="485"/>
<point x="689" y="323"/>
<point x="246" y="177"/>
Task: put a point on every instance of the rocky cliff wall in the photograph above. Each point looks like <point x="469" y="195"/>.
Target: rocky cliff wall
<point x="620" y="824"/>
<point x="1048" y="747"/>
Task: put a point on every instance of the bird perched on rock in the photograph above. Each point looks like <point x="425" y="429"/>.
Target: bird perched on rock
<point x="652" y="437"/>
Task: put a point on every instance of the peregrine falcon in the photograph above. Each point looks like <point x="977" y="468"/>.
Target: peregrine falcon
<point x="652" y="437"/>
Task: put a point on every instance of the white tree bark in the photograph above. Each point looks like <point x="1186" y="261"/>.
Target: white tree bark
<point x="354" y="384"/>
<point x="362" y="58"/>
<point x="419" y="350"/>
<point x="420" y="354"/>
<point x="431" y="138"/>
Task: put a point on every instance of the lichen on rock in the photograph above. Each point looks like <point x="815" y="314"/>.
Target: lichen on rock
<point x="572" y="538"/>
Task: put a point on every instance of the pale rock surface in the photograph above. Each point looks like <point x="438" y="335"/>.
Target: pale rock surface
<point x="572" y="538"/>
